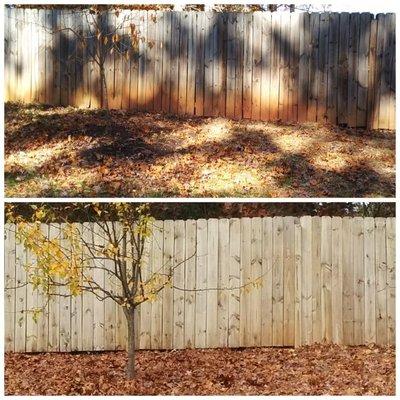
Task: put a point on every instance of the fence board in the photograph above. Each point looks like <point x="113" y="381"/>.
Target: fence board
<point x="306" y="282"/>
<point x="288" y="281"/>
<point x="212" y="281"/>
<point x="316" y="279"/>
<point x="266" y="41"/>
<point x="190" y="282"/>
<point x="267" y="282"/>
<point x="31" y="304"/>
<point x="382" y="83"/>
<point x="179" y="281"/>
<point x="98" y="275"/>
<point x="87" y="298"/>
<point x="313" y="69"/>
<point x="191" y="69"/>
<point x="145" y="308"/>
<point x="304" y="61"/>
<point x="256" y="67"/>
<point x="9" y="282"/>
<point x="326" y="278"/>
<point x="201" y="283"/>
<point x="381" y="281"/>
<point x="322" y="75"/>
<point x="20" y="299"/>
<point x="223" y="281"/>
<point x="167" y="293"/>
<point x="348" y="282"/>
<point x="391" y="73"/>
<point x="363" y="52"/>
<point x="358" y="262"/>
<point x="294" y="48"/>
<point x="110" y="315"/>
<point x="337" y="280"/>
<point x="252" y="281"/>
<point x="343" y="64"/>
<point x="333" y="68"/>
<point x="298" y="283"/>
<point x="76" y="311"/>
<point x="255" y="278"/>
<point x="277" y="278"/>
<point x="370" y="282"/>
<point x="230" y="68"/>
<point x="200" y="63"/>
<point x="216" y="61"/>
<point x="234" y="282"/>
<point x="245" y="280"/>
<point x="64" y="312"/>
<point x="247" y="64"/>
<point x="183" y="62"/>
<point x="239" y="67"/>
<point x="391" y="279"/>
<point x="55" y="304"/>
<point x="156" y="307"/>
<point x="353" y="68"/>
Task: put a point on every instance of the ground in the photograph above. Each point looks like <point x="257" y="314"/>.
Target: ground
<point x="55" y="151"/>
<point x="308" y="370"/>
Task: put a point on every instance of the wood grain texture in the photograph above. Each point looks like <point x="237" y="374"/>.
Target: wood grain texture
<point x="278" y="281"/>
<point x="335" y="67"/>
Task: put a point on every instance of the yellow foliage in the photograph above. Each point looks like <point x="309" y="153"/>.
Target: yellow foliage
<point x="53" y="263"/>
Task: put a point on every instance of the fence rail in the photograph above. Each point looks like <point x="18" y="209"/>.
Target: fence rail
<point x="322" y="279"/>
<point x="328" y="67"/>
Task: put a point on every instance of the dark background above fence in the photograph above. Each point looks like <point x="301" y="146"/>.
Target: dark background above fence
<point x="328" y="67"/>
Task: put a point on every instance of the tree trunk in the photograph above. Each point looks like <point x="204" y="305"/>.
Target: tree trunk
<point x="130" y="368"/>
<point x="104" y="91"/>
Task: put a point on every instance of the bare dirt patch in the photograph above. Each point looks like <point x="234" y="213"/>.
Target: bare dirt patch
<point x="309" y="370"/>
<point x="55" y="151"/>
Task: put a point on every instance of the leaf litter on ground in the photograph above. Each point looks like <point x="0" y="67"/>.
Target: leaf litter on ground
<point x="63" y="151"/>
<point x="319" y="369"/>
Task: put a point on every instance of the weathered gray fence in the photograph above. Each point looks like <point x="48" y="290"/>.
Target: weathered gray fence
<point x="322" y="279"/>
<point x="330" y="67"/>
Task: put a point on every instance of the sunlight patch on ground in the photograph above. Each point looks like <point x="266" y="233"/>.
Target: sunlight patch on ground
<point x="71" y="182"/>
<point x="228" y="178"/>
<point x="216" y="130"/>
<point x="291" y="143"/>
<point x="71" y="152"/>
<point x="331" y="161"/>
<point x="33" y="159"/>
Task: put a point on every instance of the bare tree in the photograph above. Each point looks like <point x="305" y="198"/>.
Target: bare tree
<point x="116" y="243"/>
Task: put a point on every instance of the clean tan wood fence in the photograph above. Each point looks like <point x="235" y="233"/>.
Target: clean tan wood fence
<point x="335" y="67"/>
<point x="323" y="279"/>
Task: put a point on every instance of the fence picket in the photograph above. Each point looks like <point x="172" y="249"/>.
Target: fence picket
<point x="381" y="281"/>
<point x="234" y="282"/>
<point x="277" y="278"/>
<point x="223" y="281"/>
<point x="179" y="281"/>
<point x="201" y="282"/>
<point x="212" y="282"/>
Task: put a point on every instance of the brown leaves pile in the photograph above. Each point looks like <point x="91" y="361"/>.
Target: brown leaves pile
<point x="309" y="370"/>
<point x="60" y="152"/>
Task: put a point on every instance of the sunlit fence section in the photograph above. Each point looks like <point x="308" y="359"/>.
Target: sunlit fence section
<point x="327" y="67"/>
<point x="279" y="281"/>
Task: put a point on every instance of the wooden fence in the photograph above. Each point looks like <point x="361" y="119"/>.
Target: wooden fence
<point x="328" y="67"/>
<point x="322" y="279"/>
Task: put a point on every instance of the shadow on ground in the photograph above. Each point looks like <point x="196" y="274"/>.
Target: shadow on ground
<point x="54" y="151"/>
